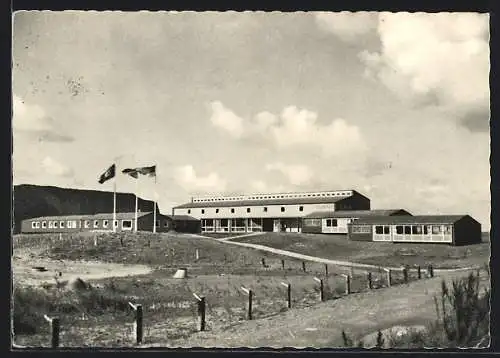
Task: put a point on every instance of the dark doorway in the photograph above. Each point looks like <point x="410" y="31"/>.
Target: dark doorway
<point x="268" y="225"/>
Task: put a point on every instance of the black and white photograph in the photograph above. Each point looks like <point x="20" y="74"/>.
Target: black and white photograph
<point x="223" y="179"/>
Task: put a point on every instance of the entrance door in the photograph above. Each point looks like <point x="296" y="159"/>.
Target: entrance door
<point x="267" y="225"/>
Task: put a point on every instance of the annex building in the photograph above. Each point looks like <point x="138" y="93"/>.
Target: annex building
<point x="273" y="212"/>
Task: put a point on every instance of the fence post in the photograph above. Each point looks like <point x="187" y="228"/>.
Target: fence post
<point x="201" y="310"/>
<point x="419" y="272"/>
<point x="347" y="283"/>
<point x="55" y="328"/>
<point x="326" y="270"/>
<point x="288" y="293"/>
<point x="389" y="277"/>
<point x="250" y="296"/>
<point x="282" y="264"/>
<point x="405" y="274"/>
<point x="197" y="254"/>
<point x="370" y="283"/>
<point x="321" y="289"/>
<point x="304" y="266"/>
<point x="431" y="271"/>
<point x="138" y="322"/>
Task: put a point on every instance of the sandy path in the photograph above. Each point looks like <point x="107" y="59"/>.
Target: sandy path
<point x="296" y="255"/>
<point x="24" y="261"/>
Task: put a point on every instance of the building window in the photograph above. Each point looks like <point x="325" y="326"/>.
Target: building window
<point x="216" y="211"/>
<point x="248" y="210"/>
<point x="44" y="224"/>
<point x="116" y="223"/>
<point x="447" y="229"/>
<point x="399" y="230"/>
<point x="282" y="209"/>
<point x="189" y="211"/>
<point x="232" y="211"/>
<point x="61" y="224"/>
<point x="301" y="208"/>
<point x="331" y="222"/>
<point x="387" y="230"/>
<point x="33" y="225"/>
<point x="265" y="209"/>
<point x="105" y="223"/>
<point x="165" y="223"/>
<point x="203" y="211"/>
<point x="416" y="230"/>
<point x="86" y="224"/>
<point x="127" y="224"/>
<point x="51" y="224"/>
<point x="312" y="222"/>
<point x="157" y="223"/>
<point x="68" y="224"/>
<point x="379" y="229"/>
<point x="426" y="229"/>
<point x="55" y="224"/>
<point x="96" y="223"/>
<point x="407" y="230"/>
<point x="436" y="229"/>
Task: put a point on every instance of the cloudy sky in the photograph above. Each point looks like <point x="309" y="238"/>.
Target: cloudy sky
<point x="393" y="105"/>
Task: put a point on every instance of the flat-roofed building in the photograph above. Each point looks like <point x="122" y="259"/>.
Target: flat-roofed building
<point x="445" y="229"/>
<point x="336" y="222"/>
<point x="278" y="212"/>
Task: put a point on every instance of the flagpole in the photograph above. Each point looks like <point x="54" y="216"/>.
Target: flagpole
<point x="114" y="203"/>
<point x="136" y="203"/>
<point x="154" y="212"/>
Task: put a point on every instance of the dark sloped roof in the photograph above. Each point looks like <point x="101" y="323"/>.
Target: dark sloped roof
<point x="355" y="213"/>
<point x="287" y="201"/>
<point x="407" y="219"/>
<point x="101" y="216"/>
<point x="181" y="218"/>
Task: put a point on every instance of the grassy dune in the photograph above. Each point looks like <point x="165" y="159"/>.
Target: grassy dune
<point x="338" y="247"/>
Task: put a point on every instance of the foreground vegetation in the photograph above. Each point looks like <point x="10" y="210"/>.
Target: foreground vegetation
<point x="462" y="320"/>
<point x="338" y="247"/>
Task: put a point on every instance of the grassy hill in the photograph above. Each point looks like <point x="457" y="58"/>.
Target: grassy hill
<point x="33" y="200"/>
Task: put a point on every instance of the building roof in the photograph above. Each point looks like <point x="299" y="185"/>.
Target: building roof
<point x="354" y="213"/>
<point x="100" y="216"/>
<point x="284" y="201"/>
<point x="182" y="218"/>
<point x="408" y="219"/>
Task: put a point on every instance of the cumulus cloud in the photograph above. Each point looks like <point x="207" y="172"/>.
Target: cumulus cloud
<point x="296" y="174"/>
<point x="55" y="168"/>
<point x="187" y="178"/>
<point x="439" y="59"/>
<point x="347" y="25"/>
<point x="32" y="120"/>
<point x="226" y="119"/>
<point x="300" y="127"/>
<point x="294" y="127"/>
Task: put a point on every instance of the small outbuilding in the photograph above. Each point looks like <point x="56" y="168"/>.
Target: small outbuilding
<point x="185" y="223"/>
<point x="336" y="222"/>
<point x="445" y="229"/>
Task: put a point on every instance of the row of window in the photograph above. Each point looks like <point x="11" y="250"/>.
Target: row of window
<point x="73" y="224"/>
<point x="415" y="229"/>
<point x="301" y="208"/>
<point x="280" y="196"/>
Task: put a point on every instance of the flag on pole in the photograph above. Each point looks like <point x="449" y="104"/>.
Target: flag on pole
<point x="108" y="174"/>
<point x="134" y="172"/>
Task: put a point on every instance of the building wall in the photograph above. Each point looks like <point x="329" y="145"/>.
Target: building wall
<point x="256" y="211"/>
<point x="354" y="202"/>
<point x="467" y="231"/>
<point x="144" y="223"/>
<point x="360" y="232"/>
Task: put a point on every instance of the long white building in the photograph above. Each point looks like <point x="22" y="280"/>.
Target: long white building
<point x="267" y="212"/>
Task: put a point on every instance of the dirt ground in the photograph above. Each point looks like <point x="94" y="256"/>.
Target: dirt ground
<point x="25" y="262"/>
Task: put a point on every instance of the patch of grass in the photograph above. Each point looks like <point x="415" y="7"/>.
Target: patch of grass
<point x="339" y="247"/>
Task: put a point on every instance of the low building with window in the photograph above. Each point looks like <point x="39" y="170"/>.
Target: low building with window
<point x="96" y="222"/>
<point x="274" y="212"/>
<point x="445" y="229"/>
<point x="336" y="222"/>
